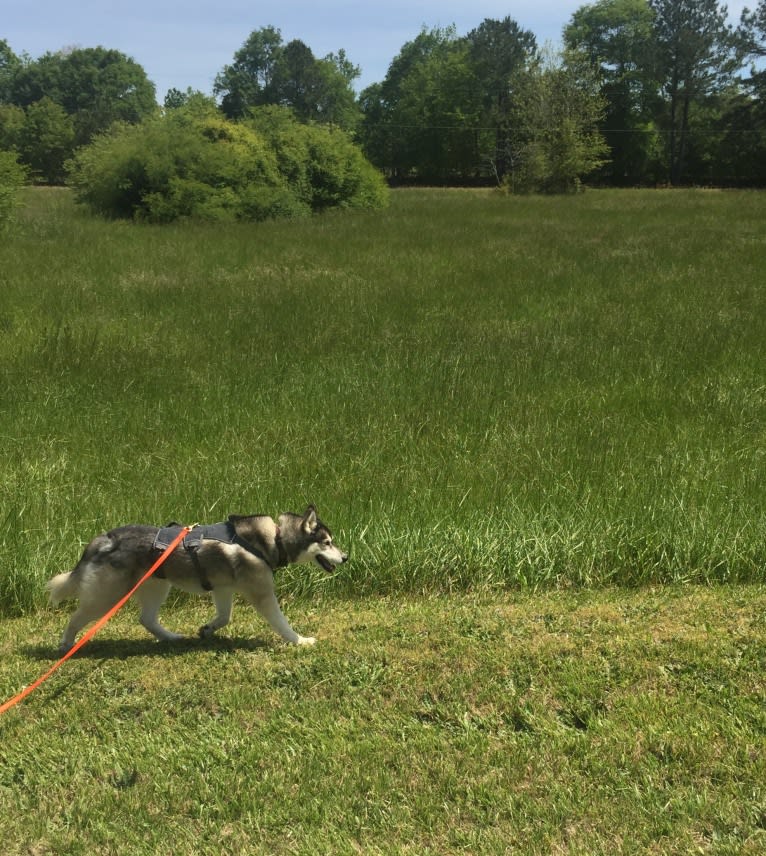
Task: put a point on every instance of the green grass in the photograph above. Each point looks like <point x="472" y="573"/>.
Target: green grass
<point x="473" y="389"/>
<point x="509" y="410"/>
<point x="590" y="722"/>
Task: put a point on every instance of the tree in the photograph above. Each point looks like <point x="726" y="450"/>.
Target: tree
<point x="741" y="154"/>
<point x="617" y="38"/>
<point x="9" y="66"/>
<point x="738" y="148"/>
<point x="421" y="122"/>
<point x="295" y="82"/>
<point x="12" y="120"/>
<point x="245" y="82"/>
<point x="696" y="58"/>
<point x="99" y="87"/>
<point x="442" y="113"/>
<point x="337" y="103"/>
<point x="69" y="97"/>
<point x="267" y="72"/>
<point x="95" y="86"/>
<point x="753" y="28"/>
<point x="438" y="114"/>
<point x="174" y="98"/>
<point x="498" y="51"/>
<point x="46" y="140"/>
<point x="556" y="115"/>
<point x="752" y="33"/>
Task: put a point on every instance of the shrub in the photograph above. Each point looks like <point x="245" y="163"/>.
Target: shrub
<point x="192" y="162"/>
<point x="12" y="177"/>
<point x="184" y="164"/>
<point x="320" y="162"/>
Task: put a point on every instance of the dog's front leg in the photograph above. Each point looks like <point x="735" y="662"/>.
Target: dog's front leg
<point x="267" y="605"/>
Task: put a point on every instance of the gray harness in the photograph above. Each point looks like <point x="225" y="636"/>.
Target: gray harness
<point x="225" y="533"/>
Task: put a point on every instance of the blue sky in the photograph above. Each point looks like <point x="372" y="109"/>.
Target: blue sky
<point x="184" y="43"/>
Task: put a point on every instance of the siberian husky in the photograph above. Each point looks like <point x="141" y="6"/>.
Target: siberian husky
<point x="239" y="555"/>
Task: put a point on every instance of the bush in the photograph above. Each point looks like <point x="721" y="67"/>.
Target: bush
<point x="12" y="177"/>
<point x="320" y="162"/>
<point x="185" y="164"/>
<point x="192" y="162"/>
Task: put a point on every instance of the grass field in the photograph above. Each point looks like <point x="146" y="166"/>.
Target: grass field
<point x="530" y="421"/>
<point x="473" y="389"/>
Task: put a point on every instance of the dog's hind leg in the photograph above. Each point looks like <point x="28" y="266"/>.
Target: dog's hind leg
<point x="92" y="607"/>
<point x="151" y="595"/>
<point x="223" y="599"/>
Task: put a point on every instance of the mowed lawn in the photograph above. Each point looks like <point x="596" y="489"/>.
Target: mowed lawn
<point x="537" y="425"/>
<point x="594" y="722"/>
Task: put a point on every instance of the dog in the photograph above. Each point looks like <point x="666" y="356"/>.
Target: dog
<point x="240" y="555"/>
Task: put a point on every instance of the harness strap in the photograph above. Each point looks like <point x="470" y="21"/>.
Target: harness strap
<point x="283" y="560"/>
<point x="193" y="551"/>
<point x="225" y="533"/>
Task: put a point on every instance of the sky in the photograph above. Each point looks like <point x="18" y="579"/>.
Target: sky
<point x="185" y="43"/>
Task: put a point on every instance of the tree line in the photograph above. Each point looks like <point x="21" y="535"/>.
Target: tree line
<point x="642" y="92"/>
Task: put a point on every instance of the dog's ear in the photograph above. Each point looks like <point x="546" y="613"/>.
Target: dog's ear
<point x="309" y="519"/>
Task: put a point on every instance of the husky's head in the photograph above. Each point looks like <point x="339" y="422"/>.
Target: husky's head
<point x="314" y="540"/>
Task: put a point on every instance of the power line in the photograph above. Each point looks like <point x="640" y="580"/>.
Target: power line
<point x="526" y="129"/>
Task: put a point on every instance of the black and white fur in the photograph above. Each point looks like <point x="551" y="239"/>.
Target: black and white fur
<point x="115" y="561"/>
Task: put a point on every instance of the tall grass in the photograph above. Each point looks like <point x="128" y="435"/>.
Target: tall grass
<point x="475" y="390"/>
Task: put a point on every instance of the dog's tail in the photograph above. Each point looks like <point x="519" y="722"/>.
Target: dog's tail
<point x="67" y="586"/>
<point x="63" y="587"/>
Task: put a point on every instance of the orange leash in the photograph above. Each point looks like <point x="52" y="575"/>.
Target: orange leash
<point x="98" y="625"/>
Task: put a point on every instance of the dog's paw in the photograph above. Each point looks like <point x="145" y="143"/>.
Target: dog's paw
<point x="305" y="640"/>
<point x="206" y="631"/>
<point x="167" y="636"/>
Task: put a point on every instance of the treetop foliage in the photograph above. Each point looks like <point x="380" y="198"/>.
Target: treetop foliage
<point x="265" y="71"/>
<point x="656" y="91"/>
<point x="94" y="86"/>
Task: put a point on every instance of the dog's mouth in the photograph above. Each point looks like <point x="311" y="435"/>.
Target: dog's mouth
<point x="324" y="563"/>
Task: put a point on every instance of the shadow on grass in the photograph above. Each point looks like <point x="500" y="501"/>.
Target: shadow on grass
<point x="123" y="649"/>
